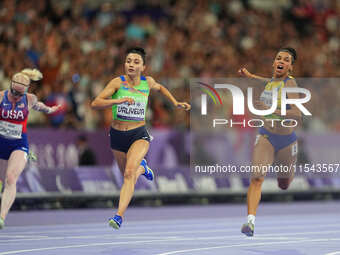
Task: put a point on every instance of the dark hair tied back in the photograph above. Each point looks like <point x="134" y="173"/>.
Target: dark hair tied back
<point x="137" y="50"/>
<point x="291" y="51"/>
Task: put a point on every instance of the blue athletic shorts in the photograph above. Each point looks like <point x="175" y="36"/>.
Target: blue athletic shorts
<point x="278" y="141"/>
<point x="7" y="146"/>
<point x="122" y="140"/>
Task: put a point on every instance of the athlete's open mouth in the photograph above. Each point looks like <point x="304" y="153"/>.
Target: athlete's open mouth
<point x="280" y="67"/>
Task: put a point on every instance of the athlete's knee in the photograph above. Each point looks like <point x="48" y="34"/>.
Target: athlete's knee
<point x="257" y="181"/>
<point x="129" y="173"/>
<point x="283" y="183"/>
<point x="11" y="179"/>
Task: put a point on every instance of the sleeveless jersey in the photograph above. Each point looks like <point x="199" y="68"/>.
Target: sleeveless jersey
<point x="140" y="94"/>
<point x="13" y="120"/>
<point x="267" y="95"/>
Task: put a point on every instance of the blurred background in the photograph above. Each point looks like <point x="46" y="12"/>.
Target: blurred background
<point x="80" y="46"/>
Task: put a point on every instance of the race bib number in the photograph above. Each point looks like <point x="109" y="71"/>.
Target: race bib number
<point x="134" y="111"/>
<point x="10" y="130"/>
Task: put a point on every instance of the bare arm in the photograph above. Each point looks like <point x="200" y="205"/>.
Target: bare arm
<point x="40" y="106"/>
<point x="164" y="91"/>
<point x="104" y="100"/>
<point x="244" y="72"/>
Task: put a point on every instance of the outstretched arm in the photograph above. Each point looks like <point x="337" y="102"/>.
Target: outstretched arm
<point x="103" y="100"/>
<point x="40" y="106"/>
<point x="163" y="90"/>
<point x="244" y="72"/>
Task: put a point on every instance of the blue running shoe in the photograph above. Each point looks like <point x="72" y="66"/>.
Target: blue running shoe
<point x="148" y="172"/>
<point x="116" y="221"/>
<point x="248" y="229"/>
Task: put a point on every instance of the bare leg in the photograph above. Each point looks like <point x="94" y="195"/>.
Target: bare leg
<point x="3" y="167"/>
<point x="121" y="160"/>
<point x="287" y="158"/>
<point x="16" y="164"/>
<point x="263" y="155"/>
<point x="120" y="157"/>
<point x="132" y="171"/>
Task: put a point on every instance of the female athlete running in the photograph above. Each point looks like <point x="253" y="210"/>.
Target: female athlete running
<point x="14" y="109"/>
<point x="128" y="96"/>
<point x="274" y="143"/>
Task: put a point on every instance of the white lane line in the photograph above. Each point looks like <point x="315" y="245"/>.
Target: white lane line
<point x="246" y="245"/>
<point x="78" y="246"/>
<point x="136" y="225"/>
<point x="263" y="236"/>
<point x="230" y="230"/>
<point x="172" y="239"/>
<point x="277" y="238"/>
<point x="17" y="236"/>
<point x="333" y="253"/>
<point x="285" y="219"/>
<point x="4" y="242"/>
<point x="226" y="228"/>
<point x="147" y="235"/>
<point x="162" y="240"/>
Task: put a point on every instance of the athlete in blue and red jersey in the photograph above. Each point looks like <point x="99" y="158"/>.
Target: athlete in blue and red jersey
<point x="15" y="104"/>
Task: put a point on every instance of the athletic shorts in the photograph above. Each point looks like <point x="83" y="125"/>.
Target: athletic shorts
<point x="122" y="140"/>
<point x="7" y="146"/>
<point x="278" y="141"/>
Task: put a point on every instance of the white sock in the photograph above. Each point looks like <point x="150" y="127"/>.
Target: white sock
<point x="251" y="219"/>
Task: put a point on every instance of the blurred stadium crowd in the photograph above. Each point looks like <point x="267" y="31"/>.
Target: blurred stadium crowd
<point x="80" y="45"/>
